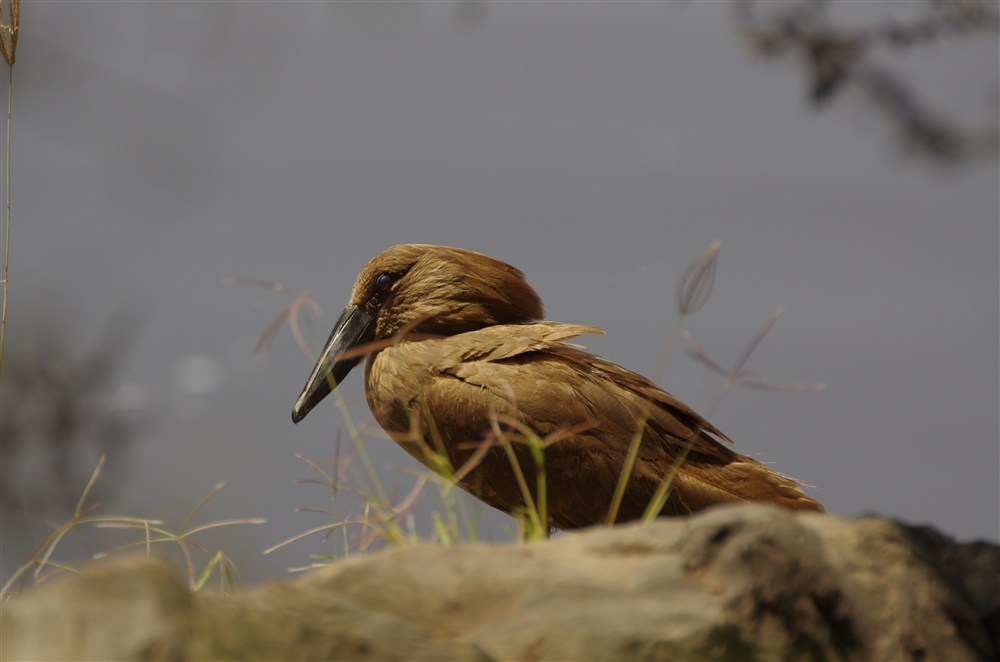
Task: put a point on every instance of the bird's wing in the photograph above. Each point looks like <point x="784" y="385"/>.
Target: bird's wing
<point x="554" y="384"/>
<point x="495" y="343"/>
<point x="530" y="372"/>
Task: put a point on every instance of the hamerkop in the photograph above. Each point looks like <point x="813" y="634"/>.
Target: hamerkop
<point x="457" y="354"/>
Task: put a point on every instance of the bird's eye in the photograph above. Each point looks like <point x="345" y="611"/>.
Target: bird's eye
<point x="383" y="283"/>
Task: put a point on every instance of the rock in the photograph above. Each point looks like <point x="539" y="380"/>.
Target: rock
<point x="736" y="582"/>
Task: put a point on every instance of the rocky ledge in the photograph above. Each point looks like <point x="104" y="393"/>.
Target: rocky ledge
<point x="736" y="582"/>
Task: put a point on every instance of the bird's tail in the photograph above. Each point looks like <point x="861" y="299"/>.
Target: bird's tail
<point x="740" y="481"/>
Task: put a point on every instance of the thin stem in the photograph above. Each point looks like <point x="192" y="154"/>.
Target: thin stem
<point x="663" y="489"/>
<point x="626" y="473"/>
<point x="675" y="328"/>
<point x="6" y="240"/>
<point x="720" y="395"/>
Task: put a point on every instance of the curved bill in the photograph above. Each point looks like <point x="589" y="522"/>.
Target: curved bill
<point x="354" y="328"/>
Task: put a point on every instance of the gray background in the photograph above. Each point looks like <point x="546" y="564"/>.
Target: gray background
<point x="162" y="147"/>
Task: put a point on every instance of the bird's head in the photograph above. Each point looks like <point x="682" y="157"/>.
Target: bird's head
<point x="418" y="289"/>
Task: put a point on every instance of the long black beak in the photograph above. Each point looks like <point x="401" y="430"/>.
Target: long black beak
<point x="354" y="328"/>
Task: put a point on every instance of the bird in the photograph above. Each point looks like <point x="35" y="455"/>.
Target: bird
<point x="460" y="369"/>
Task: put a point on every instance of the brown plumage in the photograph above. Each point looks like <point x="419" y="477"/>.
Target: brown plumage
<point x="455" y="340"/>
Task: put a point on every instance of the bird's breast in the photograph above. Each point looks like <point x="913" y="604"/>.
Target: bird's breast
<point x="396" y="377"/>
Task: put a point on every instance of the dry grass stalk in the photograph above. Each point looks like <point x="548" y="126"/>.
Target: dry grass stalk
<point x="693" y="291"/>
<point x="10" y="21"/>
<point x="697" y="281"/>
<point x="41" y="563"/>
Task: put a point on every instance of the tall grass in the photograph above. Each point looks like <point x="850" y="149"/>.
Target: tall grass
<point x="44" y="561"/>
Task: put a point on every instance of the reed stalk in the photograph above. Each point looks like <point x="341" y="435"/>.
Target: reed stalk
<point x="10" y="21"/>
